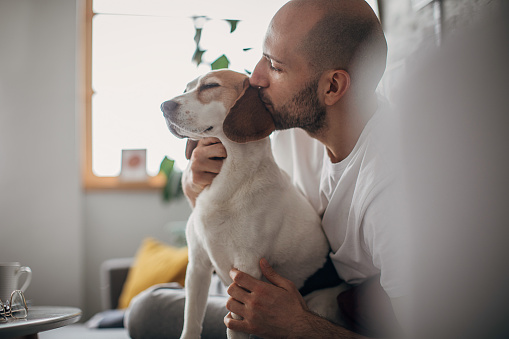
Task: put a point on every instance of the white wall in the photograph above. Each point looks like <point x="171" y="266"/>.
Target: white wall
<point x="40" y="198"/>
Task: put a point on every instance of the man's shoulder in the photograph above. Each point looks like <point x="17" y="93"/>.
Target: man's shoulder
<point x="380" y="161"/>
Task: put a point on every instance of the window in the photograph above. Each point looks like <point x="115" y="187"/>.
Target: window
<point x="138" y="53"/>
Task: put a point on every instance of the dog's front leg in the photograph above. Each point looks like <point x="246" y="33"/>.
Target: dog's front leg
<point x="198" y="276"/>
<point x="253" y="269"/>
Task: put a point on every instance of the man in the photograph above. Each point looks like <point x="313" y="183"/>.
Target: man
<point x="322" y="61"/>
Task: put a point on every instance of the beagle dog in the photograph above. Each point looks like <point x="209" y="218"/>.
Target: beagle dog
<point x="251" y="210"/>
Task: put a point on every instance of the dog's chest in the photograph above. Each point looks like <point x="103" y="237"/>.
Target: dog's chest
<point x="229" y="238"/>
<point x="221" y="228"/>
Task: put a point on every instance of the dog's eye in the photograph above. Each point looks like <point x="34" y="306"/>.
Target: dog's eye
<point x="208" y="86"/>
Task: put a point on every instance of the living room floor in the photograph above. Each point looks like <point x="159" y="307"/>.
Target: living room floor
<point x="79" y="331"/>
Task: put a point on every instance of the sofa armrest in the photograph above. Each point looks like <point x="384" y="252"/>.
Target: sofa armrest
<point x="113" y="273"/>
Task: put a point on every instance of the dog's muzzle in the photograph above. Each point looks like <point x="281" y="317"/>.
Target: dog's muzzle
<point x="169" y="109"/>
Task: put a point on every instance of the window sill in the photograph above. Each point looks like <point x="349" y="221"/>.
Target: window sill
<point x="93" y="182"/>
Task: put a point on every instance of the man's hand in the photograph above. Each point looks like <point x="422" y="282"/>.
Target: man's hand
<point x="205" y="163"/>
<point x="268" y="310"/>
<point x="276" y="309"/>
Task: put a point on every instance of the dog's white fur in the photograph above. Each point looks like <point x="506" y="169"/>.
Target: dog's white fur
<point x="251" y="210"/>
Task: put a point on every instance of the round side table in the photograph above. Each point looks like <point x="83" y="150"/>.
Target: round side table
<point x="39" y="319"/>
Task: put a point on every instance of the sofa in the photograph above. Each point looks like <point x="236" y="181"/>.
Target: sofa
<point x="121" y="279"/>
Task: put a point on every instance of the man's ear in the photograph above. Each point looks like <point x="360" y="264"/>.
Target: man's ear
<point x="337" y="83"/>
<point x="248" y="119"/>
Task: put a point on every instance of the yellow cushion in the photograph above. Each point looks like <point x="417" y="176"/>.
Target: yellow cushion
<point x="154" y="263"/>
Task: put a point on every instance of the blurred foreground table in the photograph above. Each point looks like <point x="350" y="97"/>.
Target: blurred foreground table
<point x="40" y="318"/>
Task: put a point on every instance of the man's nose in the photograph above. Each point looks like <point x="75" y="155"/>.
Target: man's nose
<point x="258" y="77"/>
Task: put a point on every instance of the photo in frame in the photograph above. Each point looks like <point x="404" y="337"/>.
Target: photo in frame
<point x="134" y="165"/>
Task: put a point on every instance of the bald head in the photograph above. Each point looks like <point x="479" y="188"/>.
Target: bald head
<point x="341" y="34"/>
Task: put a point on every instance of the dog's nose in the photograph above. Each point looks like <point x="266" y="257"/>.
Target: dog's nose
<point x="168" y="107"/>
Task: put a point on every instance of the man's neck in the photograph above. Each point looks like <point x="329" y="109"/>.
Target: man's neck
<point x="344" y="127"/>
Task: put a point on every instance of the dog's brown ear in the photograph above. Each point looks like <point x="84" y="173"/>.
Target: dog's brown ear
<point x="190" y="146"/>
<point x="248" y="119"/>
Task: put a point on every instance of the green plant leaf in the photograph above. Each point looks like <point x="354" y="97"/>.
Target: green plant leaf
<point x="166" y="166"/>
<point x="173" y="187"/>
<point x="247" y="49"/>
<point x="233" y="25"/>
<point x="221" y="62"/>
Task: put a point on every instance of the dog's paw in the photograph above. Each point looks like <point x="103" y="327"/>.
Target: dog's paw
<point x="190" y="336"/>
<point x="236" y="335"/>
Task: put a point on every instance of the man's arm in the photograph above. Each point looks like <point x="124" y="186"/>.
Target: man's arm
<point x="204" y="164"/>
<point x="275" y="310"/>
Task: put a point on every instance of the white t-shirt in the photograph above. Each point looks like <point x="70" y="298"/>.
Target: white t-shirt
<point x="355" y="197"/>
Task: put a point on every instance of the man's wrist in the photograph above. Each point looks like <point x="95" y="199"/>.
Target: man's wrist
<point x="310" y="325"/>
<point x="306" y="326"/>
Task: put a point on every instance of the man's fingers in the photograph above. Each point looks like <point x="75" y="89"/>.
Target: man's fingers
<point x="209" y="141"/>
<point x="203" y="154"/>
<point x="238" y="293"/>
<point x="214" y="166"/>
<point x="206" y="166"/>
<point x="214" y="151"/>
<point x="217" y="151"/>
<point x="251" y="284"/>
<point x="244" y="280"/>
<point x="234" y="324"/>
<point x="271" y="275"/>
<point x="206" y="161"/>
<point x="236" y="307"/>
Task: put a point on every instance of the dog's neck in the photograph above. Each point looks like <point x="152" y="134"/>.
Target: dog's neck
<point x="244" y="163"/>
<point x="246" y="158"/>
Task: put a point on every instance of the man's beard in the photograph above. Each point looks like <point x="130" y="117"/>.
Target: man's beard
<point x="302" y="111"/>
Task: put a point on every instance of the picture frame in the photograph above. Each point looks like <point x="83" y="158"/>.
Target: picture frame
<point x="134" y="165"/>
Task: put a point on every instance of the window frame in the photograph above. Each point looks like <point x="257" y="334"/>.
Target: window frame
<point x="90" y="181"/>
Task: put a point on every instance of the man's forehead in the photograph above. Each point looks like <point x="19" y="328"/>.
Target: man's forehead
<point x="277" y="45"/>
<point x="282" y="48"/>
